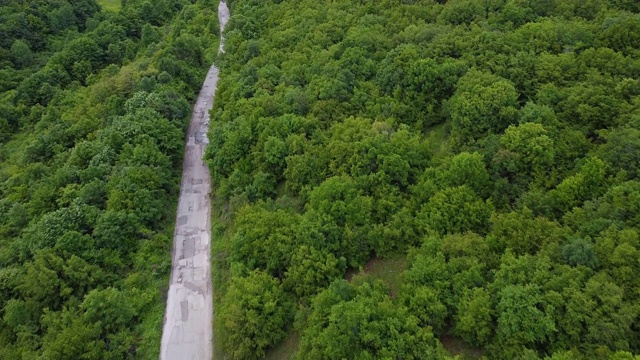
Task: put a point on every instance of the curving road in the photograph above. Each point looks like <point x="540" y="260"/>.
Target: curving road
<point x="187" y="332"/>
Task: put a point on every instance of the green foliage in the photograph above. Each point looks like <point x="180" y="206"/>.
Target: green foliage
<point x="522" y="233"/>
<point x="622" y="149"/>
<point x="254" y="314"/>
<point x="462" y="12"/>
<point x="361" y="322"/>
<point x="521" y="205"/>
<point x="521" y="320"/>
<point x="91" y="144"/>
<point x="473" y="318"/>
<point x="455" y="210"/>
<point x="312" y="270"/>
<point x="580" y="252"/>
<point x="467" y="169"/>
<point x="482" y="104"/>
<point x="527" y="150"/>
<point x="112" y="5"/>
<point x="264" y="239"/>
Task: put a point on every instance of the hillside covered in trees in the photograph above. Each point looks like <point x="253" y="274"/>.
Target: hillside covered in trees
<point x="93" y="109"/>
<point x="493" y="144"/>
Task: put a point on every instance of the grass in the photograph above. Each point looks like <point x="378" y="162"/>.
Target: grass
<point x="388" y="270"/>
<point x="436" y="136"/>
<point x="286" y="348"/>
<point x="110" y="5"/>
<point x="458" y="347"/>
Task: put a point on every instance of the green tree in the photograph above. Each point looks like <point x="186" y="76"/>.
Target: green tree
<point x="455" y="210"/>
<point x="424" y="303"/>
<point x="621" y="33"/>
<point x="522" y="232"/>
<point x="343" y="213"/>
<point x="264" y="239"/>
<point x="462" y="11"/>
<point x="588" y="183"/>
<point x="361" y="322"/>
<point x="611" y="319"/>
<point x="528" y="150"/>
<point x="522" y="317"/>
<point x="21" y="54"/>
<point x="579" y="252"/>
<point x="473" y="319"/>
<point x="483" y="103"/>
<point x="622" y="150"/>
<point x="111" y="308"/>
<point x="312" y="270"/>
<point x="467" y="169"/>
<point x="255" y="313"/>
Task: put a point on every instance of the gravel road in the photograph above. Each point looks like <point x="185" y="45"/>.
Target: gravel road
<point x="187" y="332"/>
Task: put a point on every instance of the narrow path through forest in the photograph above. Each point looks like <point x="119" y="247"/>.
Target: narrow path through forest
<point x="187" y="332"/>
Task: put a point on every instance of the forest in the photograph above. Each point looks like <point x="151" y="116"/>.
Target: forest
<point x="413" y="179"/>
<point x="489" y="147"/>
<point x="94" y="105"/>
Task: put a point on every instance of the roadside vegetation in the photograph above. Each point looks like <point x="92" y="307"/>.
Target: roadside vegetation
<point x="493" y="146"/>
<point x="93" y="109"/>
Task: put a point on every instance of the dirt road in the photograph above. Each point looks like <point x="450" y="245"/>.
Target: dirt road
<point x="187" y="332"/>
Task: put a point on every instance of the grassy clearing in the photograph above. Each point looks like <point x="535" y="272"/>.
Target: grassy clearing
<point x="436" y="136"/>
<point x="388" y="270"/>
<point x="110" y="5"/>
<point x="458" y="347"/>
<point x="286" y="349"/>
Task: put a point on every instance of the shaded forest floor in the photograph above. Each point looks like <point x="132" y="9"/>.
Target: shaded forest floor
<point x="456" y="346"/>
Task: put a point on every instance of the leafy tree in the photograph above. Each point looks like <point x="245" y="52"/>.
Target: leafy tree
<point x="254" y="315"/>
<point x="424" y="302"/>
<point x="622" y="149"/>
<point x="483" y="103"/>
<point x="611" y="323"/>
<point x="522" y="317"/>
<point x="111" y="308"/>
<point x="522" y="232"/>
<point x="21" y="53"/>
<point x="462" y="12"/>
<point x="473" y="319"/>
<point x="527" y="150"/>
<point x="580" y="252"/>
<point x="361" y="322"/>
<point x="341" y="207"/>
<point x="264" y="239"/>
<point x="467" y="169"/>
<point x="620" y="33"/>
<point x="312" y="270"/>
<point x="455" y="210"/>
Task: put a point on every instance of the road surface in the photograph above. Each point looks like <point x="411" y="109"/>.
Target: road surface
<point x="187" y="332"/>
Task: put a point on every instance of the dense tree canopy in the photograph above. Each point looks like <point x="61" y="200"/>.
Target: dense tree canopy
<point x="93" y="109"/>
<point x="493" y="145"/>
<point x="495" y="141"/>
